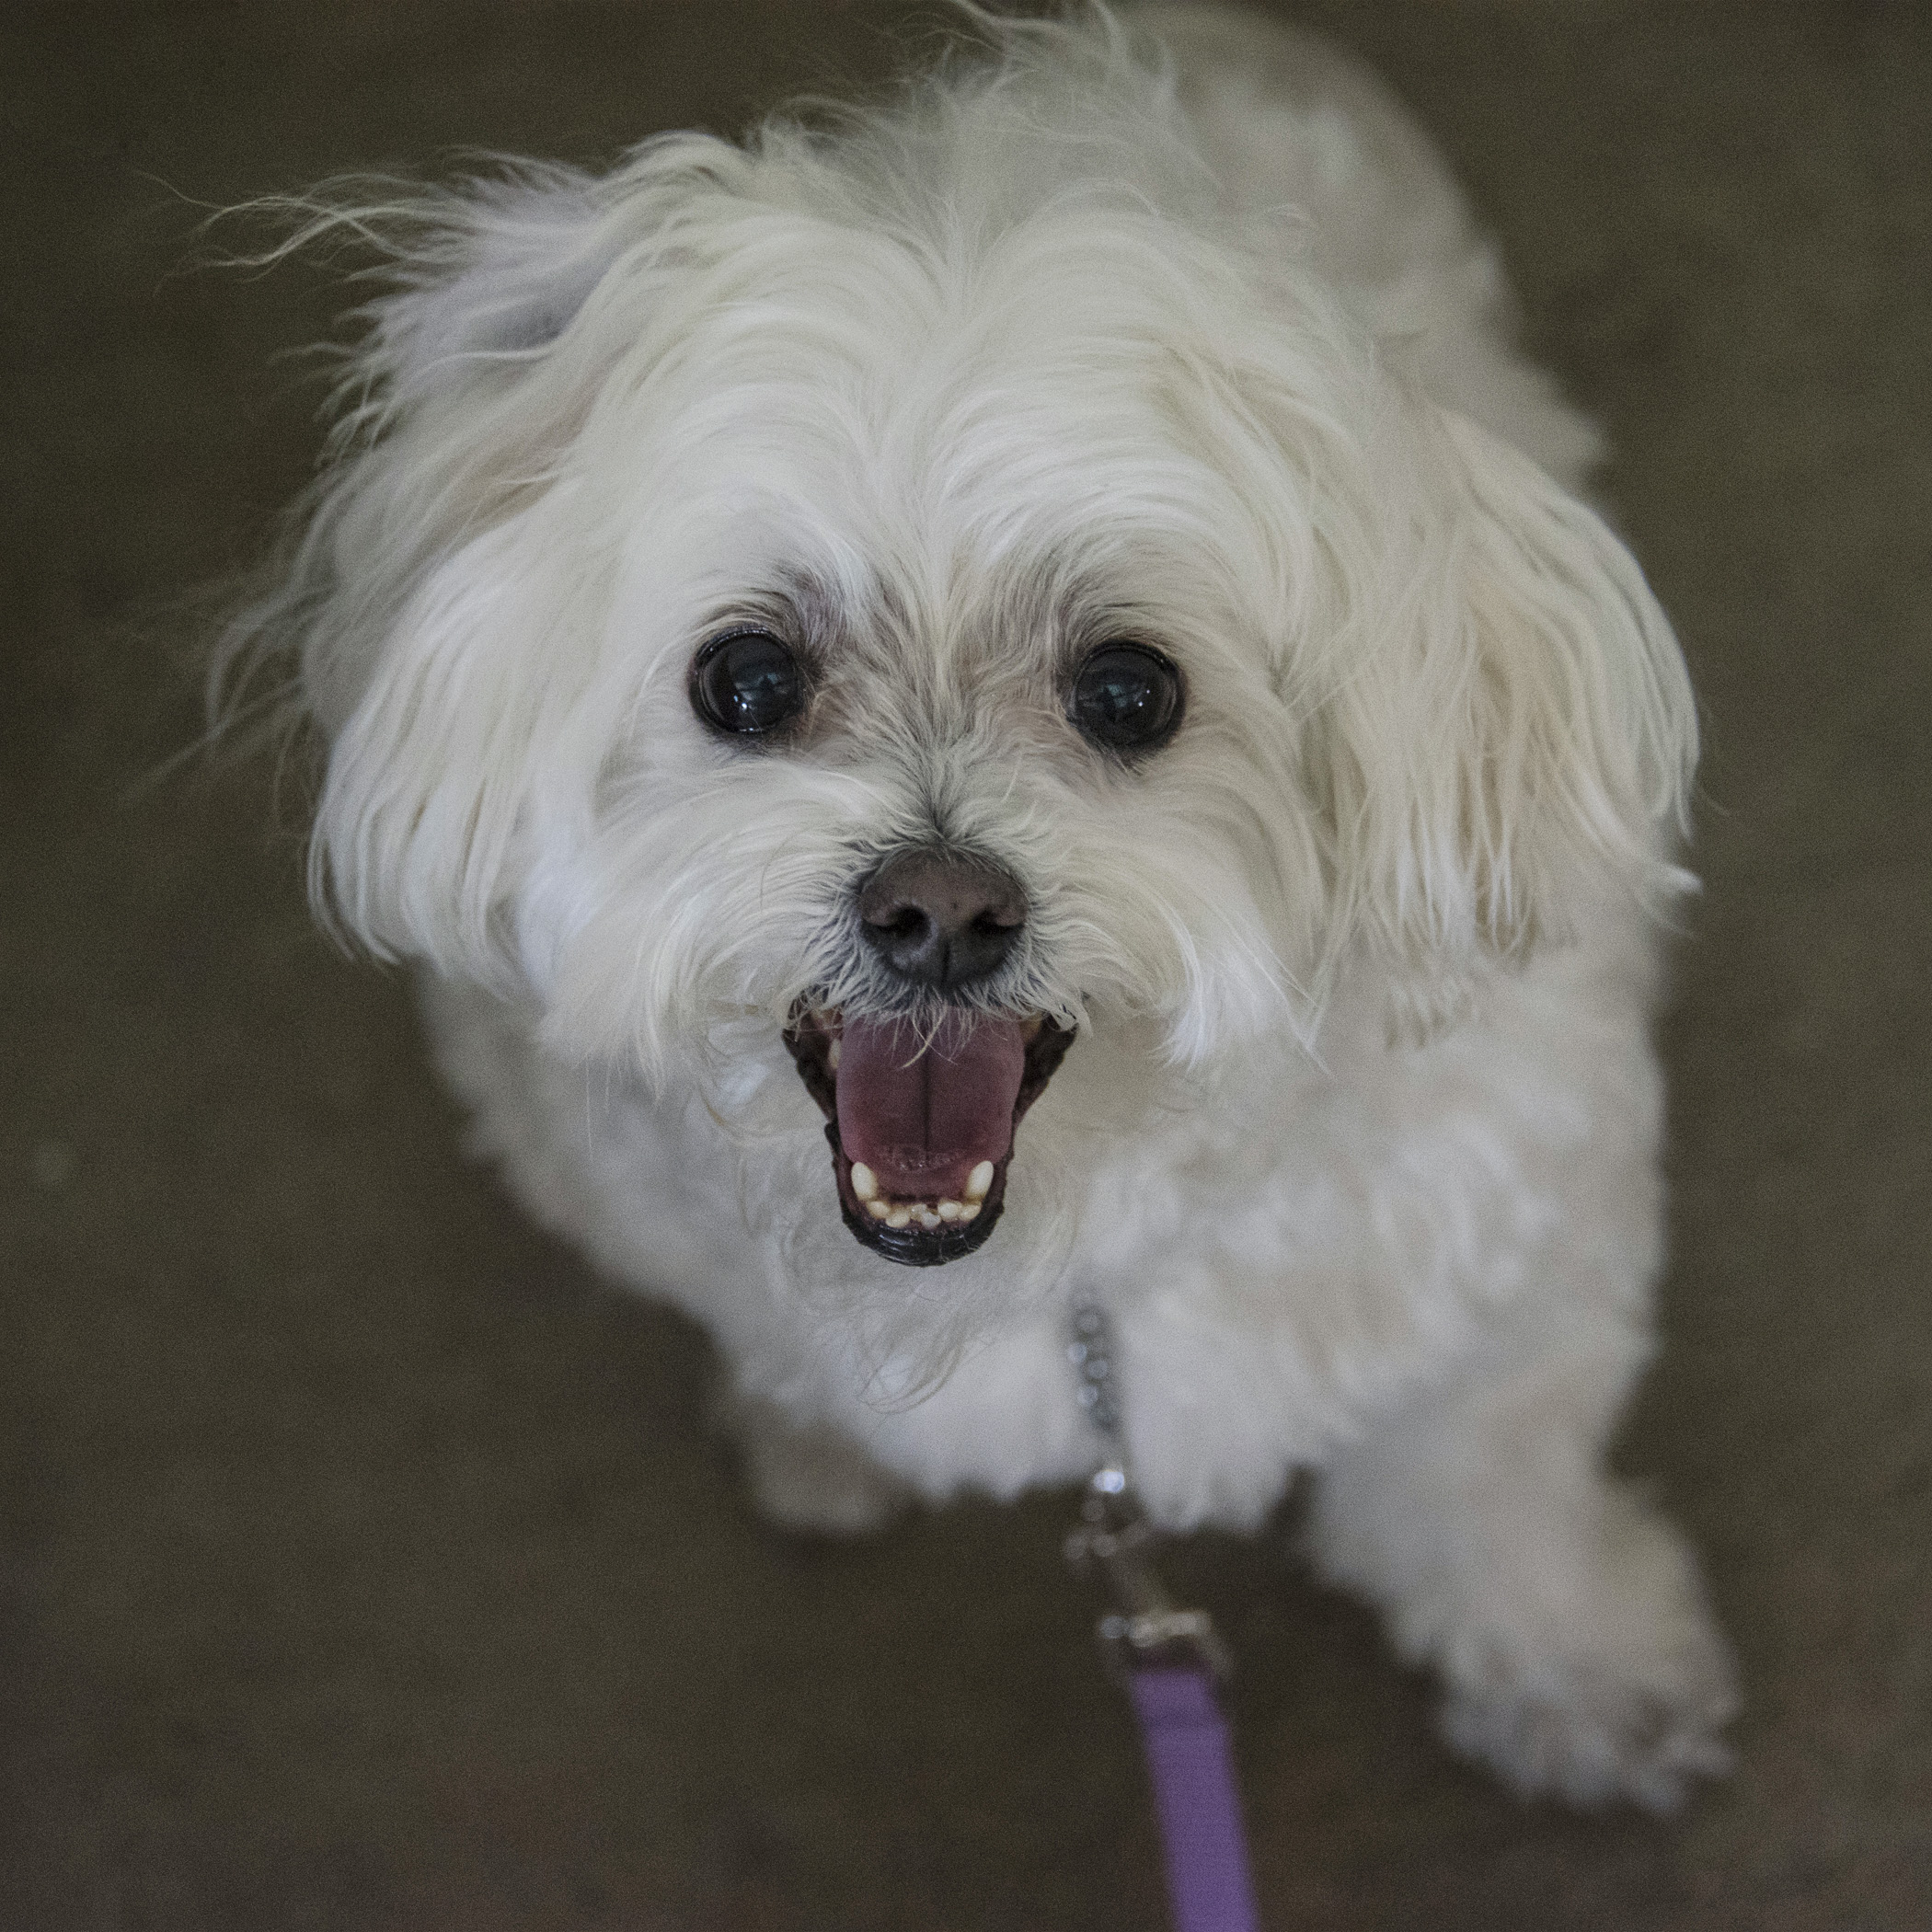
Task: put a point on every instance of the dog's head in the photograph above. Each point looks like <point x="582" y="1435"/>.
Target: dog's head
<point x="924" y="592"/>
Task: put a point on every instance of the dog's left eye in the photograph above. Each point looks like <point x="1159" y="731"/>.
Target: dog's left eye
<point x="1126" y="698"/>
<point x="747" y="682"/>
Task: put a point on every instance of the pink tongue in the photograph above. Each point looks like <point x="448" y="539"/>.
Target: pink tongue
<point x="922" y="1117"/>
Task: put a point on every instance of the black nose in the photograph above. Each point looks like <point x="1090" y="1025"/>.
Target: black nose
<point x="941" y="919"/>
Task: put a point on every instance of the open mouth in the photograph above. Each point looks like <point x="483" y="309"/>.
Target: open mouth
<point x="921" y="1119"/>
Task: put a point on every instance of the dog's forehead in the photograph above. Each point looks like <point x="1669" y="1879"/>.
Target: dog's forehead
<point x="983" y="542"/>
<point x="946" y="486"/>
<point x="926" y="417"/>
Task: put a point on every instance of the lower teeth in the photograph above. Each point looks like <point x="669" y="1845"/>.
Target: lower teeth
<point x="928" y="1215"/>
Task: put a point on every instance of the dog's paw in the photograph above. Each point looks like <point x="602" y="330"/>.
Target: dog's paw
<point x="813" y="1479"/>
<point x="1629" y="1699"/>
<point x="1593" y="1738"/>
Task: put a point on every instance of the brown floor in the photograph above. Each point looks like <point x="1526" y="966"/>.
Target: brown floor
<point x="364" y="1564"/>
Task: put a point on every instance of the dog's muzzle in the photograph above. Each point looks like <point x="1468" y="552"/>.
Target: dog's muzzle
<point x="922" y="1118"/>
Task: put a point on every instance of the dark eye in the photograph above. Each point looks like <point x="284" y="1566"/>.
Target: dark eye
<point x="1126" y="698"/>
<point x="747" y="682"/>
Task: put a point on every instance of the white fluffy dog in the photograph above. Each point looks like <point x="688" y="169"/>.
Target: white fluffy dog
<point x="1047" y="603"/>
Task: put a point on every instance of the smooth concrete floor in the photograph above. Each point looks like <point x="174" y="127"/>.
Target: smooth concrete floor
<point x="364" y="1563"/>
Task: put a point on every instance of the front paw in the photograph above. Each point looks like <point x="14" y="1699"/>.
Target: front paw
<point x="810" y="1478"/>
<point x="1628" y="1697"/>
<point x="1592" y="1739"/>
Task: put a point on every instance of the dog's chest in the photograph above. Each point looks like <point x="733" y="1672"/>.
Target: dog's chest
<point x="1278" y="1243"/>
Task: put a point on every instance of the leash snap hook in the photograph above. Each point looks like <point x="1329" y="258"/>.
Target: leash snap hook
<point x="1144" y="1629"/>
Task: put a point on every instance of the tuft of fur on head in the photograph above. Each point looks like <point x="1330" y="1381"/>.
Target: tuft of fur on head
<point x="950" y="394"/>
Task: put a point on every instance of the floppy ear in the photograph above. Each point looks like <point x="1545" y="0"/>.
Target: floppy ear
<point x="410" y="584"/>
<point x="439" y="781"/>
<point x="439" y="401"/>
<point x="432" y="590"/>
<point x="1518" y="720"/>
<point x="494" y="269"/>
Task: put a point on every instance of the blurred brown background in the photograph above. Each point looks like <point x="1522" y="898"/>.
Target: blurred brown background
<point x="364" y="1564"/>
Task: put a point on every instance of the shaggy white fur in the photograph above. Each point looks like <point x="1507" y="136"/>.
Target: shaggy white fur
<point x="1166" y="325"/>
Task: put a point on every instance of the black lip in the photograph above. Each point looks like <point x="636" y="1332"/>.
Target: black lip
<point x="809" y="1042"/>
<point x="918" y="1247"/>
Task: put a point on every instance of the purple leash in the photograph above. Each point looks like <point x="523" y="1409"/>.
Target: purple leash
<point x="1170" y="1659"/>
<point x="1186" y="1741"/>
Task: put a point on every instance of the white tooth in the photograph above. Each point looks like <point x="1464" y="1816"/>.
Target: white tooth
<point x="878" y="1210"/>
<point x="929" y="1219"/>
<point x="949" y="1210"/>
<point x="979" y="1183"/>
<point x="865" y="1183"/>
<point x="832" y="1056"/>
<point x="899" y="1218"/>
<point x="970" y="1212"/>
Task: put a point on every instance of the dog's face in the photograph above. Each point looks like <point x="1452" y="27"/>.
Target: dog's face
<point x="766" y="619"/>
<point x="943" y="720"/>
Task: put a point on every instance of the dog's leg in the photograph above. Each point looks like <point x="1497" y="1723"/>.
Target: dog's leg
<point x="809" y="1478"/>
<point x="1565" y="1616"/>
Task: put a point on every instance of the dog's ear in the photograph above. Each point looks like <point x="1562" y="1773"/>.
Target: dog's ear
<point x="490" y="272"/>
<point x="1513" y="718"/>
<point x="434" y="594"/>
<point x="411" y="585"/>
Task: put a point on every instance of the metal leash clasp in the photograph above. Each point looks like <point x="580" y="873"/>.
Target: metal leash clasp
<point x="1144" y="1629"/>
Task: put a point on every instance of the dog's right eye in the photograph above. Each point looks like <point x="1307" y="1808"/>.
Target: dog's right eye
<point x="1127" y="698"/>
<point x="746" y="682"/>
